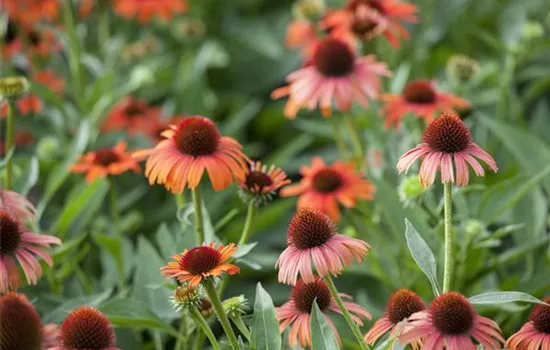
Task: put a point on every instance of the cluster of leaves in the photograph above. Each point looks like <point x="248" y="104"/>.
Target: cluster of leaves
<point x="227" y="72"/>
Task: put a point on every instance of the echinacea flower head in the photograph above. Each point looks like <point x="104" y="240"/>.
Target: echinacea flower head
<point x="146" y="10"/>
<point x="450" y="323"/>
<point x="535" y="334"/>
<point x="296" y="312"/>
<point x="260" y="183"/>
<point x="334" y="73"/>
<point x="421" y="98"/>
<point x="29" y="12"/>
<point x="367" y="19"/>
<point x="311" y="237"/>
<point x="18" y="206"/>
<point x="13" y="86"/>
<point x="205" y="307"/>
<point x="410" y="190"/>
<point x="86" y="328"/>
<point x="132" y="115"/>
<point x="462" y="68"/>
<point x="107" y="161"/>
<point x="190" y="148"/>
<point x="301" y="34"/>
<point x="185" y="297"/>
<point x="20" y="326"/>
<point x="201" y="262"/>
<point x="236" y="306"/>
<point x="324" y="186"/>
<point x="401" y="305"/>
<point x="17" y="243"/>
<point x="50" y="80"/>
<point x="446" y="142"/>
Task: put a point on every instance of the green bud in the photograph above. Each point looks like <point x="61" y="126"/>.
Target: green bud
<point x="185" y="297"/>
<point x="13" y="87"/>
<point x="474" y="228"/>
<point x="236" y="306"/>
<point x="309" y="9"/>
<point x="532" y="30"/>
<point x="462" y="68"/>
<point x="410" y="189"/>
<point x="48" y="149"/>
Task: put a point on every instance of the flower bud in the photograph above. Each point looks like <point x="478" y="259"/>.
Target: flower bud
<point x="462" y="68"/>
<point x="13" y="86"/>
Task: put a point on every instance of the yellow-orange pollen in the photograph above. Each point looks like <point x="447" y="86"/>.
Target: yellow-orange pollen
<point x="334" y="58"/>
<point x="310" y="228"/>
<point x="447" y="134"/>
<point x="10" y="233"/>
<point x="327" y="180"/>
<point x="452" y="314"/>
<point x="540" y="317"/>
<point x="303" y="295"/>
<point x="197" y="137"/>
<point x="200" y="260"/>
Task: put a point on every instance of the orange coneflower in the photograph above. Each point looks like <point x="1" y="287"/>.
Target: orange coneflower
<point x="324" y="186"/>
<point x="189" y="148"/>
<point x="421" y="98"/>
<point x="145" y="10"/>
<point x="106" y="161"/>
<point x="50" y="80"/>
<point x="132" y="115"/>
<point x="86" y="328"/>
<point x="366" y="19"/>
<point x="450" y="323"/>
<point x="296" y="312"/>
<point x="401" y="305"/>
<point x="29" y="12"/>
<point x="260" y="182"/>
<point x="28" y="104"/>
<point x="301" y="34"/>
<point x="333" y="74"/>
<point x="195" y="264"/>
<point x="535" y="334"/>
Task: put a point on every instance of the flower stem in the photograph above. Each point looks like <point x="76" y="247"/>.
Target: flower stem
<point x="199" y="227"/>
<point x="199" y="340"/>
<point x="354" y="328"/>
<point x="218" y="307"/>
<point x="204" y="327"/>
<point x="114" y="207"/>
<point x="180" y="341"/>
<point x="238" y="321"/>
<point x="448" y="265"/>
<point x="248" y="223"/>
<point x="10" y="130"/>
<point x="355" y="140"/>
<point x="338" y="138"/>
<point x="74" y="56"/>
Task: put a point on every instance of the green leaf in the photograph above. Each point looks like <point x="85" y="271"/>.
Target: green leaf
<point x="25" y="183"/>
<point x="61" y="172"/>
<point x="322" y="335"/>
<point x="423" y="255"/>
<point x="61" y="312"/>
<point x="265" y="328"/>
<point x="492" y="298"/>
<point x="244" y="249"/>
<point x="497" y="199"/>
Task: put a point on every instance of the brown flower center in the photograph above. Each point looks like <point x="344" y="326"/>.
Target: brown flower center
<point x="327" y="180"/>
<point x="207" y="308"/>
<point x="540" y="316"/>
<point x="303" y="295"/>
<point x="135" y="109"/>
<point x="197" y="136"/>
<point x="403" y="304"/>
<point x="199" y="260"/>
<point x="447" y="134"/>
<point x="258" y="180"/>
<point x="10" y="233"/>
<point x="373" y="4"/>
<point x="452" y="314"/>
<point x="87" y="328"/>
<point x="11" y="33"/>
<point x="419" y="91"/>
<point x="20" y="326"/>
<point x="364" y="14"/>
<point x="310" y="228"/>
<point x="334" y="58"/>
<point x="106" y="157"/>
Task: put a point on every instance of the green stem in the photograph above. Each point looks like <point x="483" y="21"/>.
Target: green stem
<point x="218" y="307"/>
<point x="355" y="140"/>
<point x="197" y="316"/>
<point x="114" y="207"/>
<point x="180" y="341"/>
<point x="74" y="55"/>
<point x="352" y="325"/>
<point x="248" y="223"/>
<point x="104" y="33"/>
<point x="199" y="228"/>
<point x="238" y="321"/>
<point x="10" y="130"/>
<point x="199" y="340"/>
<point x="338" y="138"/>
<point x="448" y="265"/>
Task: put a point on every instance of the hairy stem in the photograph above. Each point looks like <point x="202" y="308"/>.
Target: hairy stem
<point x="218" y="307"/>
<point x="448" y="265"/>
<point x="197" y="316"/>
<point x="199" y="226"/>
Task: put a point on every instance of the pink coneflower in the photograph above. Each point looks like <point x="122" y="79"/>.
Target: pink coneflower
<point x="367" y="19"/>
<point x="17" y="243"/>
<point x="17" y="205"/>
<point x="422" y="98"/>
<point x="296" y="312"/>
<point x="312" y="236"/>
<point x="324" y="186"/>
<point x="400" y="307"/>
<point x="335" y="72"/>
<point x="450" y="323"/>
<point x="86" y="328"/>
<point x="190" y="148"/>
<point x="447" y="140"/>
<point x="535" y="334"/>
<point x="20" y="326"/>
